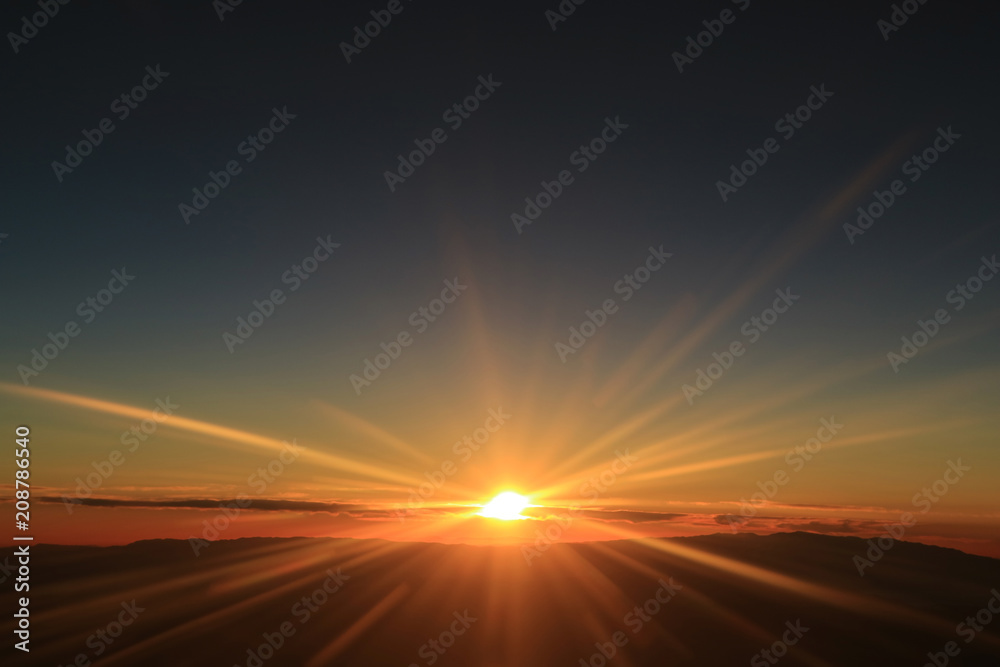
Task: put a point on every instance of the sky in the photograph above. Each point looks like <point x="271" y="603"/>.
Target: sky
<point x="564" y="352"/>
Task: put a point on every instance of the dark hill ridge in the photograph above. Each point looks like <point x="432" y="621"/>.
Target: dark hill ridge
<point x="392" y="598"/>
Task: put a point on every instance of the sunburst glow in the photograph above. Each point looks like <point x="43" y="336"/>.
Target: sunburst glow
<point x="507" y="506"/>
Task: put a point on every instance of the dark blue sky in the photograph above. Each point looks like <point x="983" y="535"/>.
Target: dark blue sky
<point x="323" y="175"/>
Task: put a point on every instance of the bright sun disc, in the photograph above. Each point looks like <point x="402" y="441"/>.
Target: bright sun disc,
<point x="507" y="506"/>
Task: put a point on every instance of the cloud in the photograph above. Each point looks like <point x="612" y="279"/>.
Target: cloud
<point x="363" y="512"/>
<point x="824" y="527"/>
<point x="834" y="508"/>
<point x="805" y="524"/>
<point x="726" y="519"/>
<point x="255" y="504"/>
<point x="630" y="516"/>
<point x="759" y="523"/>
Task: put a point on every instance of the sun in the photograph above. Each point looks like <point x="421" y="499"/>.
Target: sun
<point x="507" y="506"/>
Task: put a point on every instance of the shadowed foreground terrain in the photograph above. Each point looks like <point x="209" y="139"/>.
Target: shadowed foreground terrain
<point x="491" y="608"/>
